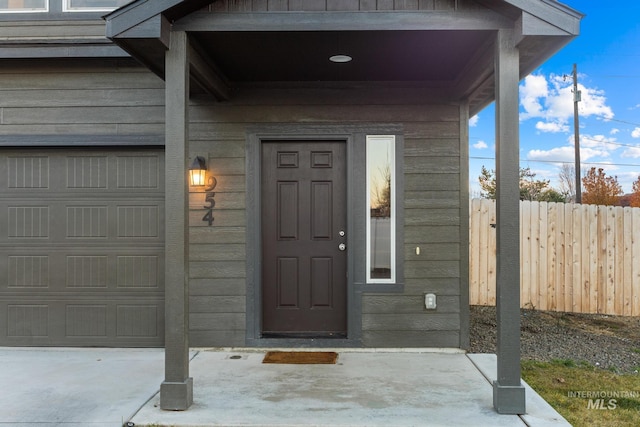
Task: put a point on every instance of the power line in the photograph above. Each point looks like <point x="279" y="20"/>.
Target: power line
<point x="611" y="143"/>
<point x="613" y="76"/>
<point x="561" y="161"/>
<point x="624" y="121"/>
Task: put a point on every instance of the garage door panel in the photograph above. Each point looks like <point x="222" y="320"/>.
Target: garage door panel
<point x="35" y="221"/>
<point x="82" y="248"/>
<point x="98" y="171"/>
<point x="109" y="270"/>
<point x="24" y="172"/>
<point x="88" y="322"/>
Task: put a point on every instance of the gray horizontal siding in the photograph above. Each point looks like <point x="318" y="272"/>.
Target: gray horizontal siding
<point x="406" y="304"/>
<point x="329" y="5"/>
<point x="117" y="98"/>
<point x="106" y="98"/>
<point x="432" y="208"/>
<point x="432" y="170"/>
<point x="222" y="287"/>
<point x="12" y="31"/>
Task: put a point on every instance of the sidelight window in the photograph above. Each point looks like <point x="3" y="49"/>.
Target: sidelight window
<point x="23" y="6"/>
<point x="381" y="209"/>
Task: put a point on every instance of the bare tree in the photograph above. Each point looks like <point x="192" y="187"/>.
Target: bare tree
<point x="382" y="193"/>
<point x="567" y="181"/>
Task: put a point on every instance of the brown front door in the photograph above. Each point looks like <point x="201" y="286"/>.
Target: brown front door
<point x="304" y="266"/>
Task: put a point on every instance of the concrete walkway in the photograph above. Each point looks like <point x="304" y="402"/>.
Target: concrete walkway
<point x="105" y="387"/>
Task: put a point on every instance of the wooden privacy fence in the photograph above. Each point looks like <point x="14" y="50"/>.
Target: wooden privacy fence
<point x="573" y="258"/>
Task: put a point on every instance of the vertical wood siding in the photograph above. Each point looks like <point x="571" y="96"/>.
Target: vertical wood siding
<point x="574" y="258"/>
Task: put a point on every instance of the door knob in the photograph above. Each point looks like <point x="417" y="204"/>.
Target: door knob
<point x="342" y="246"/>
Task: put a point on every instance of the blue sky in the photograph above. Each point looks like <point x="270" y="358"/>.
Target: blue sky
<point x="607" y="54"/>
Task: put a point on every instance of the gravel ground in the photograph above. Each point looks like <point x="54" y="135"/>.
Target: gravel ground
<point x="607" y="342"/>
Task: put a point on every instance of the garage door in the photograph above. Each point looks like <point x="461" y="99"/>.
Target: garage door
<point x="81" y="248"/>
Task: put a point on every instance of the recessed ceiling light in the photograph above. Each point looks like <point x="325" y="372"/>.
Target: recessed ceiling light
<point x="340" y="58"/>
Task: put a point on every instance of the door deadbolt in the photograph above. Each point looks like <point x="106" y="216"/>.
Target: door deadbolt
<point x="341" y="233"/>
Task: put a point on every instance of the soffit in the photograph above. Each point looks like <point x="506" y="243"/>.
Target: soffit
<point x="451" y="51"/>
<point x="436" y="57"/>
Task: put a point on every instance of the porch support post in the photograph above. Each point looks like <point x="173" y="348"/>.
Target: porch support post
<point x="176" y="392"/>
<point x="508" y="392"/>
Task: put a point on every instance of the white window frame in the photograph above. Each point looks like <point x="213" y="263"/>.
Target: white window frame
<point x="66" y="7"/>
<point x="372" y="139"/>
<point x="26" y="10"/>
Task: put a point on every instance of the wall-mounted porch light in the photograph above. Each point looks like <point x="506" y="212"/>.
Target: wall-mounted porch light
<point x="198" y="171"/>
<point x="198" y="178"/>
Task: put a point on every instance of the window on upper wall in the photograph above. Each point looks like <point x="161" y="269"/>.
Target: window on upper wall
<point x="381" y="209"/>
<point x="23" y="6"/>
<point x="92" y="5"/>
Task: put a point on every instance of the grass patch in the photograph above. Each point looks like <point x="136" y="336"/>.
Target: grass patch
<point x="584" y="395"/>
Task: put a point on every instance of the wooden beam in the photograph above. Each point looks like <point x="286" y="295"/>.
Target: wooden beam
<point x="207" y="75"/>
<point x="508" y="392"/>
<point x="464" y="225"/>
<point x="479" y="69"/>
<point x="134" y="13"/>
<point x="347" y="21"/>
<point x="157" y="27"/>
<point x="176" y="392"/>
<point x="552" y="12"/>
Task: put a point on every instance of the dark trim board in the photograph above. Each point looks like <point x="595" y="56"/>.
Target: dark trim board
<point x="101" y="50"/>
<point x="48" y="140"/>
<point x="354" y="137"/>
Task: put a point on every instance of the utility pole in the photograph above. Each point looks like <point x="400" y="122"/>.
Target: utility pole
<point x="576" y="132"/>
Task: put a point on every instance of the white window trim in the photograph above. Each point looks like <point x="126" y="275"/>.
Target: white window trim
<point x="67" y="8"/>
<point x="28" y="10"/>
<point x="393" y="224"/>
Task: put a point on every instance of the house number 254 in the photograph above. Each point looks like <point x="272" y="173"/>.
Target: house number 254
<point x="210" y="202"/>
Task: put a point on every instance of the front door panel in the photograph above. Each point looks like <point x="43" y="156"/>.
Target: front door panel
<point x="304" y="257"/>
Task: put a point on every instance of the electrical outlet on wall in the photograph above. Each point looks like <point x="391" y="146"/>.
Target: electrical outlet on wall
<point x="430" y="301"/>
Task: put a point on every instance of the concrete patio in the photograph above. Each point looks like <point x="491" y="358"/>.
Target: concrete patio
<point x="106" y="387"/>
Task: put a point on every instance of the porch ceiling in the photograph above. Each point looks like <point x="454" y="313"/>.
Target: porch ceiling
<point x="450" y="53"/>
<point x="436" y="57"/>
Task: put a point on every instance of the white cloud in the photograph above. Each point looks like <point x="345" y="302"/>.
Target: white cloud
<point x="532" y="90"/>
<point x="626" y="180"/>
<point x="614" y="131"/>
<point x="551" y="99"/>
<point x="632" y="152"/>
<point x="473" y="121"/>
<point x="600" y="142"/>
<point x="480" y="145"/>
<point x="552" y="127"/>
<point x="565" y="154"/>
<point x="608" y="167"/>
<point x="594" y="104"/>
<point x="636" y="133"/>
<point x="558" y="154"/>
<point x="589" y="153"/>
